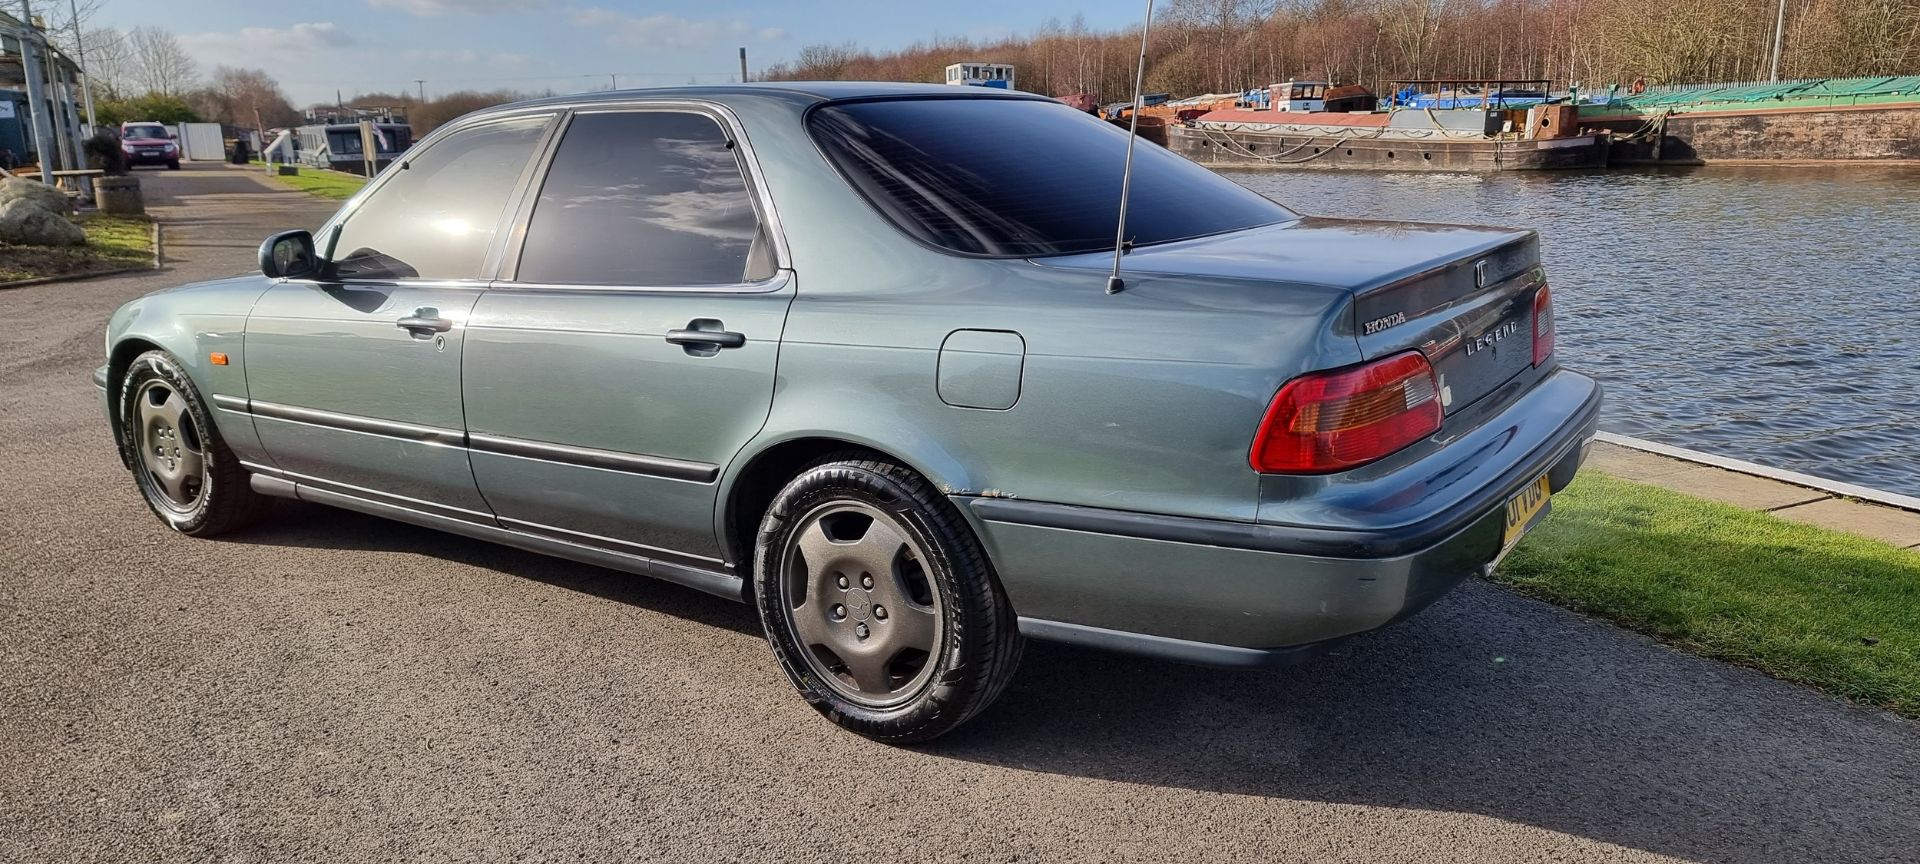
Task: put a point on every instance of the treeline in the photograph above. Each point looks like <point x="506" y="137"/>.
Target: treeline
<point x="425" y="116"/>
<point x="1203" y="46"/>
<point x="145" y="74"/>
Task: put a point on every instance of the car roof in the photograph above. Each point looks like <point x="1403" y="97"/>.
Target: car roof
<point x="799" y="91"/>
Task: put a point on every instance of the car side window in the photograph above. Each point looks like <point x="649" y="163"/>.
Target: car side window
<point x="645" y="198"/>
<point x="436" y="218"/>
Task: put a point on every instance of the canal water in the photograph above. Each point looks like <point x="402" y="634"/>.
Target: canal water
<point x="1768" y="314"/>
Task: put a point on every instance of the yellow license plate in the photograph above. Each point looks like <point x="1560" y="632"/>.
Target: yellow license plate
<point x="1525" y="509"/>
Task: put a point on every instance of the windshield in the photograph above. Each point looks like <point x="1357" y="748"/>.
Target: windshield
<point x="1022" y="178"/>
<point x="145" y="132"/>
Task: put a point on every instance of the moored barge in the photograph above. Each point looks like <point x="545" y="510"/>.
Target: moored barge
<point x="1475" y="127"/>
<point x="1822" y="120"/>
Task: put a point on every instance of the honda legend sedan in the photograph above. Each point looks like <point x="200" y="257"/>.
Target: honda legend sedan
<point x="848" y="353"/>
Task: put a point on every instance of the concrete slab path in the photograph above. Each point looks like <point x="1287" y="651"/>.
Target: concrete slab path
<point x="1824" y="507"/>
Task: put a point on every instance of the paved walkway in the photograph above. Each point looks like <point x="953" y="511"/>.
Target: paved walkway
<point x="331" y="687"/>
<point x="1743" y="488"/>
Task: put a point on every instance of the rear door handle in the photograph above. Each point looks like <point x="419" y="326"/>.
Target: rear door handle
<point x="417" y="323"/>
<point x="709" y="339"/>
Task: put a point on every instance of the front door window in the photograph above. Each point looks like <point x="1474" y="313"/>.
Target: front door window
<point x="436" y="218"/>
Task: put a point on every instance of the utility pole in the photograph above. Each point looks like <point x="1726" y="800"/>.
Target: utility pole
<point x="743" y="64"/>
<point x="36" y="94"/>
<point x="75" y="151"/>
<point x="423" y="88"/>
<point x="80" y="47"/>
<point x="614" y="80"/>
<point x="1779" y="31"/>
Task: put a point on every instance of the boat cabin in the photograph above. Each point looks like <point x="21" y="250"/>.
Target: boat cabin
<point x="339" y="145"/>
<point x="1299" y="96"/>
<point x="996" y="75"/>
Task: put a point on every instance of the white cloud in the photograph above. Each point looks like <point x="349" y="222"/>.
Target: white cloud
<point x="428" y="8"/>
<point x="668" y="32"/>
<point x="275" y="49"/>
<point x="442" y="55"/>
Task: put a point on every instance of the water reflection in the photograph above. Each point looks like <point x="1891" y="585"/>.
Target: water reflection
<point x="1760" y="313"/>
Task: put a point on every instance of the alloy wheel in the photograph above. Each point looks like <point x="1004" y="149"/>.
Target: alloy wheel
<point x="172" y="451"/>
<point x="861" y="604"/>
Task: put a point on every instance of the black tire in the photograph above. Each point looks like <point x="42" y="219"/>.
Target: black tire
<point x="174" y="165"/>
<point x="222" y="499"/>
<point x="977" y="642"/>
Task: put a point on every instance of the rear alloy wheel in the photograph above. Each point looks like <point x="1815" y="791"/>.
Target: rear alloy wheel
<point x="879" y="603"/>
<point x="184" y="470"/>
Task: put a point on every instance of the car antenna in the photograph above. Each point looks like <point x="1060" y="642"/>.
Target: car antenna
<point x="1114" y="282"/>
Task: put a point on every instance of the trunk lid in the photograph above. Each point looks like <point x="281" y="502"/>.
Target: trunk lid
<point x="1462" y="295"/>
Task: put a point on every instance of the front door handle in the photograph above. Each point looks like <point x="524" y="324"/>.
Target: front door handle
<point x="423" y="324"/>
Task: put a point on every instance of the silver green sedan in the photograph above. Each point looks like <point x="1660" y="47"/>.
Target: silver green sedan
<point x="846" y="352"/>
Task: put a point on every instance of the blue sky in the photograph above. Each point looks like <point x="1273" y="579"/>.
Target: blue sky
<point x="566" y="45"/>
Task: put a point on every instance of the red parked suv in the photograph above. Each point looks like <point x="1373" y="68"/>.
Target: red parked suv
<point x="149" y="144"/>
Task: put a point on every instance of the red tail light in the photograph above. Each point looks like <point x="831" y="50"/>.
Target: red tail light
<point x="1330" y="421"/>
<point x="1542" y="325"/>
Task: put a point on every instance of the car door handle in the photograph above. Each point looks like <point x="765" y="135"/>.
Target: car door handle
<point x="418" y="323"/>
<point x="707" y="338"/>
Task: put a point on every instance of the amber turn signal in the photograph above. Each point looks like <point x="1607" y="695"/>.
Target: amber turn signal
<point x="218" y="358"/>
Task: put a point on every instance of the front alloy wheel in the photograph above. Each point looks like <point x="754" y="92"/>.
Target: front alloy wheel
<point x="183" y="469"/>
<point x="171" y="451"/>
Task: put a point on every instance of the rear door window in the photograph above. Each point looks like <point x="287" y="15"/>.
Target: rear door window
<point x="1023" y="178"/>
<point x="645" y="198"/>
<point x="437" y="217"/>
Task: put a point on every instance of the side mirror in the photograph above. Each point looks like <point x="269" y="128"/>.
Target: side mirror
<point x="289" y="255"/>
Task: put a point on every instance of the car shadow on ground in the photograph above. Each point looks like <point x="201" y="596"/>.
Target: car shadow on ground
<point x="303" y="525"/>
<point x="1487" y="703"/>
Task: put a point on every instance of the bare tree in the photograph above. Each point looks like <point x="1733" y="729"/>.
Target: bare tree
<point x="238" y="96"/>
<point x="61" y="17"/>
<point x="825" y="62"/>
<point x="110" y="63"/>
<point x="164" y="67"/>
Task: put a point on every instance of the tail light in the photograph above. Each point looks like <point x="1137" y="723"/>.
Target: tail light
<point x="1542" y="325"/>
<point x="1331" y="421"/>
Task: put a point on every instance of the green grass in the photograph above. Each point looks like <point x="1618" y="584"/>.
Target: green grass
<point x="322" y="182"/>
<point x="113" y="243"/>
<point x="1805" y="604"/>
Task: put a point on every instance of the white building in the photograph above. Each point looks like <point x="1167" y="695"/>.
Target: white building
<point x="999" y="75"/>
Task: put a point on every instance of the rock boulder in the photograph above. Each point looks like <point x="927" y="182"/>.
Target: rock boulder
<point x="23" y="221"/>
<point x="49" y="198"/>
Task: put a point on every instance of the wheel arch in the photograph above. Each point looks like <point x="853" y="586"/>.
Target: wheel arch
<point x="118" y="360"/>
<point x="757" y="475"/>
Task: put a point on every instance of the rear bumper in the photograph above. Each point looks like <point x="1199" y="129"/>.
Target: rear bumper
<point x="1253" y="594"/>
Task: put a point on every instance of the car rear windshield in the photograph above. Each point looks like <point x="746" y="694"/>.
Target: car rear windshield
<point x="1023" y="177"/>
